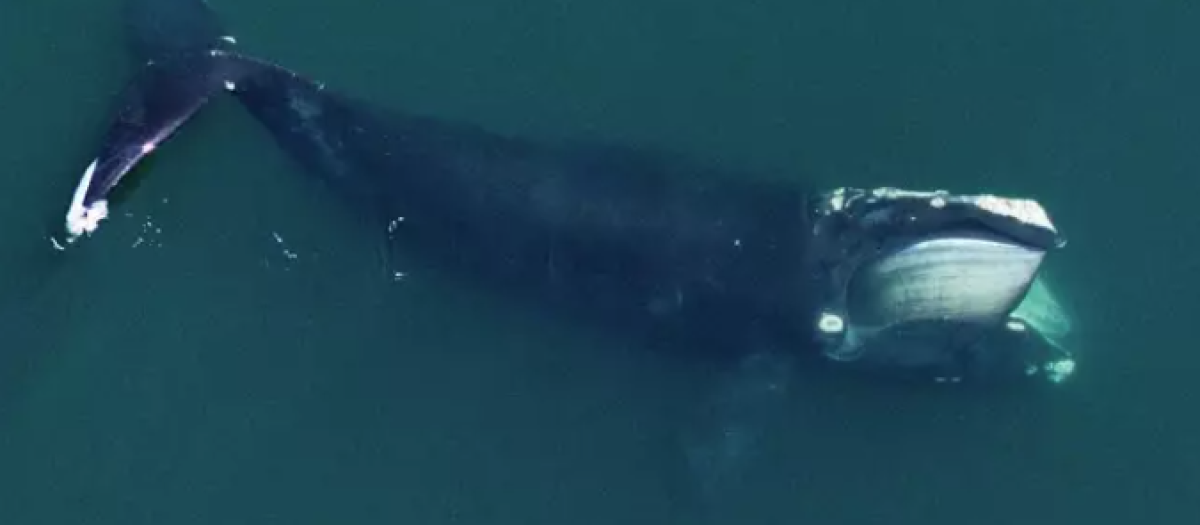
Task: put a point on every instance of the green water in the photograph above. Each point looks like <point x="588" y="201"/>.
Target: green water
<point x="184" y="368"/>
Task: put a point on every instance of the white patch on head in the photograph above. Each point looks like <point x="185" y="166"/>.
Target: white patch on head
<point x="1024" y="210"/>
<point x="82" y="219"/>
<point x="838" y="200"/>
<point x="230" y="86"/>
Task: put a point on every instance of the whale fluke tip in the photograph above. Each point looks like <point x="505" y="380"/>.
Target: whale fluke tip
<point x="84" y="218"/>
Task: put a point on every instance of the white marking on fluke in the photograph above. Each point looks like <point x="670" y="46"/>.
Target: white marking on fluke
<point x="82" y="220"/>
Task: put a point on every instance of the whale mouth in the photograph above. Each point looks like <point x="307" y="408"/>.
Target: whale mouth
<point x="930" y="282"/>
<point x="968" y="278"/>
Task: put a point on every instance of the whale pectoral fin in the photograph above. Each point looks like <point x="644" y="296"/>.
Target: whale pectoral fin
<point x="724" y="442"/>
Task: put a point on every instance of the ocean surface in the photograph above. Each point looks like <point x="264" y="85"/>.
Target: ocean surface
<point x="230" y="349"/>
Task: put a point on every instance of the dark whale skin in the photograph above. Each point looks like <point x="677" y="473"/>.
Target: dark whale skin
<point x="642" y="239"/>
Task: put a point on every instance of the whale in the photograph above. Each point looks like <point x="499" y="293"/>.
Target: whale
<point x="712" y="262"/>
<point x="764" y="276"/>
<point x="768" y="278"/>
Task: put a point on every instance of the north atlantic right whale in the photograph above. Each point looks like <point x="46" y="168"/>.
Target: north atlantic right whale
<point x="931" y="287"/>
<point x="927" y="285"/>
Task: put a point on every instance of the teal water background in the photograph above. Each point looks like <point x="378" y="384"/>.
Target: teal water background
<point x="186" y="368"/>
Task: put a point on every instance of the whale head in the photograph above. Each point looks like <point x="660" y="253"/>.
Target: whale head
<point x="939" y="285"/>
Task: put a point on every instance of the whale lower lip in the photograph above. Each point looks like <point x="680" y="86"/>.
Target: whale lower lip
<point x="950" y="278"/>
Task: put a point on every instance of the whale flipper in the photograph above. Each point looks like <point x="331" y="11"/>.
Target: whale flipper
<point x="725" y="439"/>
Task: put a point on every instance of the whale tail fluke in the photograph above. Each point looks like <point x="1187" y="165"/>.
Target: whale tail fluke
<point x="185" y="57"/>
<point x="160" y="98"/>
<point x="181" y="48"/>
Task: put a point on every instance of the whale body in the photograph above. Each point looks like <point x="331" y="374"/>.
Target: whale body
<point x="688" y="257"/>
<point x="708" y="262"/>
